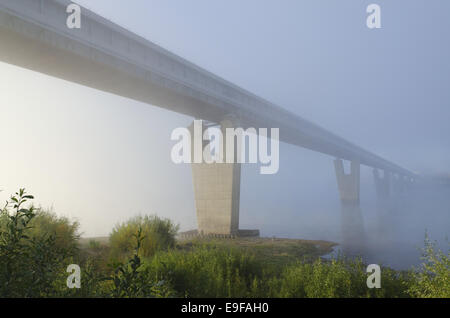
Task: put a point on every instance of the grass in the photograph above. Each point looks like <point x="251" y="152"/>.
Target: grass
<point x="274" y="267"/>
<point x="274" y="254"/>
<point x="85" y="241"/>
<point x="33" y="261"/>
<point x="271" y="251"/>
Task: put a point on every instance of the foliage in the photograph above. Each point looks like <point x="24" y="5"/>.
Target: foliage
<point x="129" y="281"/>
<point x="158" y="234"/>
<point x="29" y="263"/>
<point x="338" y="278"/>
<point x="432" y="280"/>
<point x="205" y="272"/>
<point x="36" y="247"/>
<point x="64" y="231"/>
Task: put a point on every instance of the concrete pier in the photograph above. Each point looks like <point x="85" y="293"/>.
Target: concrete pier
<point x="217" y="191"/>
<point x="398" y="185"/>
<point x="353" y="234"/>
<point x="384" y="201"/>
<point x="382" y="184"/>
<point x="105" y="56"/>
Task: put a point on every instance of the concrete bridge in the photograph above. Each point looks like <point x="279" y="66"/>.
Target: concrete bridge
<point x="107" y="57"/>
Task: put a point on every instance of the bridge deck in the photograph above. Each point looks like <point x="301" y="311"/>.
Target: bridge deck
<point x="105" y="56"/>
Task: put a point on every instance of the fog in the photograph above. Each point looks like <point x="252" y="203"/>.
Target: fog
<point x="101" y="158"/>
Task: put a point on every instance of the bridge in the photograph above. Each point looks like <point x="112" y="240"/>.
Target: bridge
<point x="107" y="57"/>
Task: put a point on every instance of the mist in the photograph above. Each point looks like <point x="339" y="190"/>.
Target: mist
<point x="101" y="159"/>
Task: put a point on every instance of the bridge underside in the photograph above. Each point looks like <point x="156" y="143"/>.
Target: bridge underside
<point x="44" y="50"/>
<point x="104" y="56"/>
<point x="90" y="70"/>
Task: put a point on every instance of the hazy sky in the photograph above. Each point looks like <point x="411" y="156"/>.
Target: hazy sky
<point x="102" y="158"/>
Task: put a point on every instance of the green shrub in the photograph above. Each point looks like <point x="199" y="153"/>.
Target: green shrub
<point x="37" y="246"/>
<point x="205" y="272"/>
<point x="130" y="281"/>
<point x="64" y="231"/>
<point x="45" y="224"/>
<point x="432" y="279"/>
<point x="30" y="263"/>
<point x="158" y="234"/>
<point x="338" y="278"/>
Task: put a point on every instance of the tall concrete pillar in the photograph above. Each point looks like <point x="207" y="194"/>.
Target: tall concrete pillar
<point x="353" y="236"/>
<point x="398" y="185"/>
<point x="217" y="190"/>
<point x="382" y="184"/>
<point x="383" y="203"/>
<point x="398" y="194"/>
<point x="348" y="184"/>
<point x="408" y="182"/>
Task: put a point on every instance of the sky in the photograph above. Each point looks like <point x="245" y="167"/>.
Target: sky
<point x="101" y="158"/>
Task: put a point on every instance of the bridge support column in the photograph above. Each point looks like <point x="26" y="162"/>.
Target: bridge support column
<point x="409" y="182"/>
<point x="217" y="190"/>
<point x="398" y="185"/>
<point x="382" y="185"/>
<point x="398" y="199"/>
<point x="383" y="203"/>
<point x="353" y="236"/>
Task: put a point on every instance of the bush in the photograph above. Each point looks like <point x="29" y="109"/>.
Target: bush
<point x="338" y="278"/>
<point x="432" y="279"/>
<point x="130" y="281"/>
<point x="209" y="271"/>
<point x="158" y="234"/>
<point x="45" y="224"/>
<point x="37" y="246"/>
<point x="30" y="263"/>
<point x="65" y="232"/>
<point x="205" y="272"/>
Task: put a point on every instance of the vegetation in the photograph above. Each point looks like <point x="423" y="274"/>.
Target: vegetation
<point x="157" y="234"/>
<point x="32" y="258"/>
<point x="337" y="278"/>
<point x="273" y="252"/>
<point x="433" y="278"/>
<point x="143" y="259"/>
<point x="205" y="272"/>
